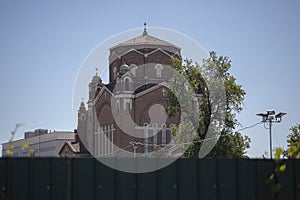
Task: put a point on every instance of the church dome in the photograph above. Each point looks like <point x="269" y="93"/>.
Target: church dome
<point x="145" y="41"/>
<point x="96" y="79"/>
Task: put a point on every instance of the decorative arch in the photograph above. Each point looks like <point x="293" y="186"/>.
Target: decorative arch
<point x="158" y="68"/>
<point x="127" y="83"/>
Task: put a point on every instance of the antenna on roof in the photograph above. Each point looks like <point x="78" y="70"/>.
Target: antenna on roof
<point x="145" y="30"/>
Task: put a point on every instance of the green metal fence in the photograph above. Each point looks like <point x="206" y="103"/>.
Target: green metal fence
<point x="185" y="179"/>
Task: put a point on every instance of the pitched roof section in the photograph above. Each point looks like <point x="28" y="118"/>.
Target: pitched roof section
<point x="144" y="41"/>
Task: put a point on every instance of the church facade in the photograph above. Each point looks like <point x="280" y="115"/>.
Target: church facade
<point x="125" y="117"/>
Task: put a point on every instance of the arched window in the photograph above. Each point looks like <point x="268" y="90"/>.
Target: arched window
<point x="164" y="134"/>
<point x="126" y="84"/>
<point x="115" y="72"/>
<point x="155" y="126"/>
<point x="133" y="68"/>
<point x="146" y="135"/>
<point x="118" y="104"/>
<point x="158" y="68"/>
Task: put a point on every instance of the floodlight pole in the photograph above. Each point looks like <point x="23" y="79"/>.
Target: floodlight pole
<point x="269" y="118"/>
<point x="270" y="130"/>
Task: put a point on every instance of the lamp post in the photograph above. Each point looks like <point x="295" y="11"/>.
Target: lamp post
<point x="134" y="146"/>
<point x="268" y="119"/>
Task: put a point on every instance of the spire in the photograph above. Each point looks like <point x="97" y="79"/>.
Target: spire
<point x="145" y="30"/>
<point x="82" y="102"/>
<point x="81" y="107"/>
<point x="96" y="78"/>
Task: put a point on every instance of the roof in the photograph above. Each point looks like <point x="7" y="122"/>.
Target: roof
<point x="144" y="87"/>
<point x="73" y="146"/>
<point x="145" y="41"/>
<point x="43" y="135"/>
<point x="110" y="86"/>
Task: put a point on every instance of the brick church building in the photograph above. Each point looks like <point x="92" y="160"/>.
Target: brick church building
<point x="125" y="117"/>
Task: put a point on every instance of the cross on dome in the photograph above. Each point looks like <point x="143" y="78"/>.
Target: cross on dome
<point x="145" y="29"/>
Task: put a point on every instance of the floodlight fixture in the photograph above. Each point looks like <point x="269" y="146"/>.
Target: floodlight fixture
<point x="269" y="118"/>
<point x="271" y="112"/>
<point x="261" y="114"/>
<point x="279" y="115"/>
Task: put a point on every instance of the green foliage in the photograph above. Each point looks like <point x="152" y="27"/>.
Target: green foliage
<point x="230" y="144"/>
<point x="278" y="170"/>
<point x="233" y="145"/>
<point x="25" y="146"/>
<point x="9" y="151"/>
<point x="293" y="141"/>
<point x="293" y="151"/>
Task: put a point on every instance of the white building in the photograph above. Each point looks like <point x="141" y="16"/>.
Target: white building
<point x="43" y="145"/>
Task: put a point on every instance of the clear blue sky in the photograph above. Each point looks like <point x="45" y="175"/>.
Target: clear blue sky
<point x="43" y="44"/>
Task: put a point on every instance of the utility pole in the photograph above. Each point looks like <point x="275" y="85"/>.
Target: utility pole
<point x="270" y="134"/>
<point x="269" y="118"/>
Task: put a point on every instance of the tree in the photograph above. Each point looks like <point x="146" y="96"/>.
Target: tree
<point x="230" y="143"/>
<point x="293" y="140"/>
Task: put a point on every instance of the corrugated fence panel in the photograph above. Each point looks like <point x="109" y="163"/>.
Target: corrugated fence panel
<point x="61" y="179"/>
<point x="228" y="176"/>
<point x="264" y="169"/>
<point x="40" y="179"/>
<point x="193" y="179"/>
<point x="104" y="181"/>
<point x="247" y="179"/>
<point x="147" y="186"/>
<point x="83" y="179"/>
<point x="187" y="179"/>
<point x="207" y="171"/>
<point x="3" y="179"/>
<point x="19" y="179"/>
<point x="126" y="186"/>
<point x="286" y="180"/>
<point x="167" y="182"/>
<point x="297" y="179"/>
